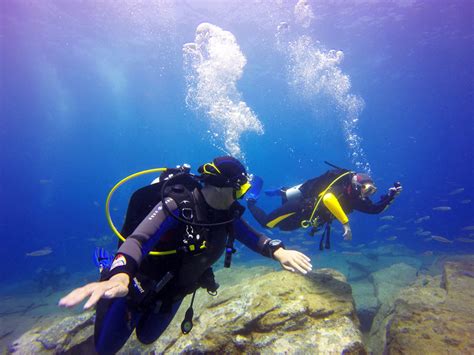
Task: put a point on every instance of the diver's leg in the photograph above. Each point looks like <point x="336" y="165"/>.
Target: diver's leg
<point x="285" y="217"/>
<point x="152" y="325"/>
<point x="114" y="323"/>
<point x="257" y="213"/>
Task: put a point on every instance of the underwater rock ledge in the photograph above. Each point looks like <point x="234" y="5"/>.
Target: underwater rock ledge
<point x="274" y="312"/>
<point x="433" y="316"/>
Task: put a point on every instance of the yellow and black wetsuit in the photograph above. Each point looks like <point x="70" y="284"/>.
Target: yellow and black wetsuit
<point x="338" y="201"/>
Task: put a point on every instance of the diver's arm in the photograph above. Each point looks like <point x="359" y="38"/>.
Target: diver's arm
<point x="333" y="205"/>
<point x="290" y="260"/>
<point x="142" y="240"/>
<point x="367" y="206"/>
<point x="251" y="238"/>
<point x="127" y="260"/>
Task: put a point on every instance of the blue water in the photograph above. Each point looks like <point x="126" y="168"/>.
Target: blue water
<point x="93" y="91"/>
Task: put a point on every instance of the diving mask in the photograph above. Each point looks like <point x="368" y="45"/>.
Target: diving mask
<point x="367" y="189"/>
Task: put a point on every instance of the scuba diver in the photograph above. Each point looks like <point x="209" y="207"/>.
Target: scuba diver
<point x="176" y="229"/>
<point x="320" y="200"/>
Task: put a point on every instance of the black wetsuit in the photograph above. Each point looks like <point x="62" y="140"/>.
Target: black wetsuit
<point x="300" y="209"/>
<point x="151" y="312"/>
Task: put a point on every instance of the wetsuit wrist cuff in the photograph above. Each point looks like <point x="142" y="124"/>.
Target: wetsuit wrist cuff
<point x="124" y="264"/>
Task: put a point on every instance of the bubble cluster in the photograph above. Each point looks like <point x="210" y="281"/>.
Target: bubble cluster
<point x="314" y="72"/>
<point x="303" y="13"/>
<point x="213" y="64"/>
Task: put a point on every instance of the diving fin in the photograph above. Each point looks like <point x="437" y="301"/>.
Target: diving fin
<point x="102" y="258"/>
<point x="254" y="192"/>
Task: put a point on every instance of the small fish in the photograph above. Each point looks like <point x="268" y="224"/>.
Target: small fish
<point x="401" y="228"/>
<point x="466" y="201"/>
<point x="282" y="26"/>
<point x="40" y="252"/>
<point x="393" y="237"/>
<point x="308" y="242"/>
<point x="424" y="233"/>
<point x="427" y="253"/>
<point x="382" y="228"/>
<point x="387" y="218"/>
<point x="441" y="239"/>
<point x="468" y="228"/>
<point x="457" y="191"/>
<point x="422" y="219"/>
<point x="45" y="181"/>
<point x="442" y="208"/>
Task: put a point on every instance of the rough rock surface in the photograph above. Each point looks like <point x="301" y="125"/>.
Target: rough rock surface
<point x="388" y="282"/>
<point x="61" y="337"/>
<point x="434" y="316"/>
<point x="275" y="312"/>
<point x="367" y="304"/>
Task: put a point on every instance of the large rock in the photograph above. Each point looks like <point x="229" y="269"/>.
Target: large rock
<point x="277" y="312"/>
<point x="274" y="312"/>
<point x="434" y="316"/>
<point x="367" y="304"/>
<point x="388" y="282"/>
<point x="61" y="337"/>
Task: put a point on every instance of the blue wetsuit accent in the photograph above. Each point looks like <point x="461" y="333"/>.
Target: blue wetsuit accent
<point x="168" y="224"/>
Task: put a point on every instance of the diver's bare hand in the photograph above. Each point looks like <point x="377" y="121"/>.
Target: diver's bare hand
<point x="293" y="260"/>
<point x="347" y="232"/>
<point x="117" y="286"/>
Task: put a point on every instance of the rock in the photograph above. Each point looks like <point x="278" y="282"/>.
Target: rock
<point x="388" y="282"/>
<point x="274" y="312"/>
<point x="367" y="304"/>
<point x="62" y="336"/>
<point x="433" y="316"/>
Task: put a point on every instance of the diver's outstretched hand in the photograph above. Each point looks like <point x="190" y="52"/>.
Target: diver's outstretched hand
<point x="117" y="286"/>
<point x="293" y="260"/>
